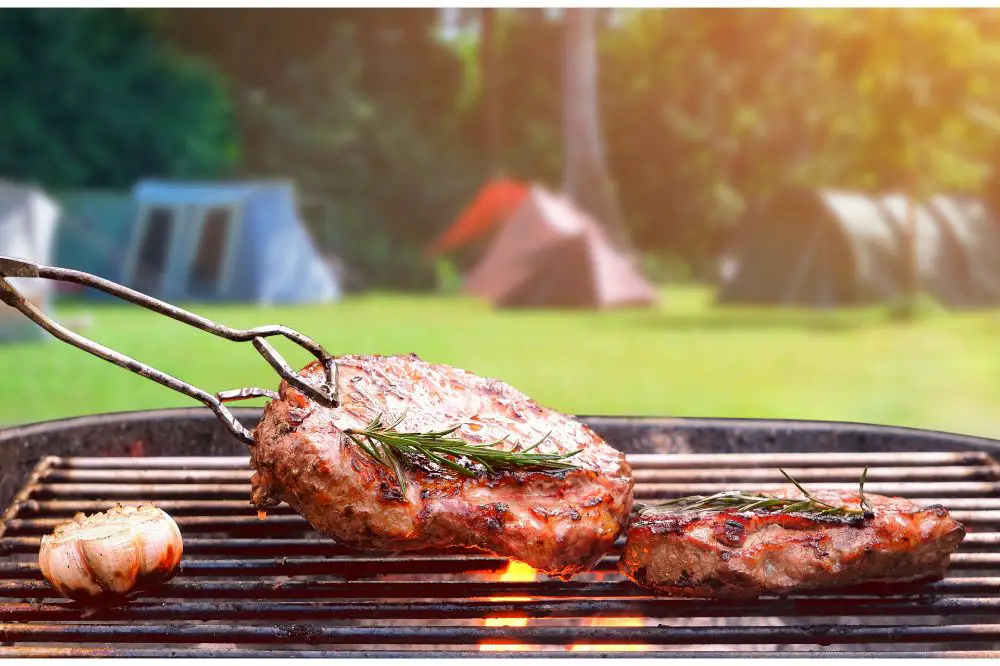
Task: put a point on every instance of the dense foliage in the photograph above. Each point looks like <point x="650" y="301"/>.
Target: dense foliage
<point x="90" y="98"/>
<point x="707" y="112"/>
<point x="357" y="107"/>
<point x="382" y="124"/>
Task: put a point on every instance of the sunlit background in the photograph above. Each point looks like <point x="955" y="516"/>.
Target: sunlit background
<point x="713" y="213"/>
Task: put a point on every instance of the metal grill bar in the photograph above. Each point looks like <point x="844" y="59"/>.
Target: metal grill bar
<point x="350" y="567"/>
<point x="314" y="545"/>
<point x="278" y="584"/>
<point x="186" y="476"/>
<point x="347" y="567"/>
<point x="746" y="477"/>
<point x="325" y="589"/>
<point x="563" y="608"/>
<point x="651" y="491"/>
<point x="642" y="476"/>
<point x="204" y="507"/>
<point x="234" y="653"/>
<point x="638" y="461"/>
<point x="902" y="489"/>
<point x="174" y="507"/>
<point x="274" y="525"/>
<point x="816" y="634"/>
<point x="273" y="547"/>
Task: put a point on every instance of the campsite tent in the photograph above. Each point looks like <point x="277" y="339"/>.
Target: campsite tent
<point x="94" y="232"/>
<point x="827" y="248"/>
<point x="977" y="234"/>
<point x="492" y="205"/>
<point x="550" y="253"/>
<point x="28" y="220"/>
<point x="239" y="241"/>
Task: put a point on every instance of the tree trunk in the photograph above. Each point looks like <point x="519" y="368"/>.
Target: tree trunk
<point x="585" y="174"/>
<point x="489" y="67"/>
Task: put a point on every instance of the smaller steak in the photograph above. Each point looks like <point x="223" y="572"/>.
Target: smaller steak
<point x="726" y="554"/>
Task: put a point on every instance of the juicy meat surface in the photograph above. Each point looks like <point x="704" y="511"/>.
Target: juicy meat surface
<point x="560" y="522"/>
<point x="723" y="554"/>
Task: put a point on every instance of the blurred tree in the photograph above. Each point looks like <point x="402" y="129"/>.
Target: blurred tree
<point x="91" y="99"/>
<point x="585" y="174"/>
<point x="489" y="66"/>
<point x="708" y="110"/>
<point x="529" y="58"/>
<point x="917" y="73"/>
<point x="359" y="108"/>
<point x="541" y="85"/>
<point x="704" y="111"/>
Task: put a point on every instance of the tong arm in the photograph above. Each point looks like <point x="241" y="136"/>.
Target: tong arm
<point x="13" y="267"/>
<point x="325" y="394"/>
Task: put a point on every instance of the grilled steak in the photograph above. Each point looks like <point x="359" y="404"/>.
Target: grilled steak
<point x="560" y="522"/>
<point x="726" y="554"/>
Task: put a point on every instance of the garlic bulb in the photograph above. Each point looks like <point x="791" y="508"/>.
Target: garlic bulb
<point x="111" y="553"/>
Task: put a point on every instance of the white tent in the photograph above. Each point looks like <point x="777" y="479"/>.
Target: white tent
<point x="28" y="220"/>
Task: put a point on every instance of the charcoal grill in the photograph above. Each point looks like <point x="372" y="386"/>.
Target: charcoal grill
<point x="249" y="587"/>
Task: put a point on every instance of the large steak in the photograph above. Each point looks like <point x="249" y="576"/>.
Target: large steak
<point x="560" y="522"/>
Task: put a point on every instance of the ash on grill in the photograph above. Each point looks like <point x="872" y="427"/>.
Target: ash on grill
<point x="252" y="587"/>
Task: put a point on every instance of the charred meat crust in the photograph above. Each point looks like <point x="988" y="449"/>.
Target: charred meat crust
<point x="724" y="554"/>
<point x="559" y="522"/>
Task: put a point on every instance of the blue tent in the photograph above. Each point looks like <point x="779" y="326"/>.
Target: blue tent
<point x="94" y="231"/>
<point x="237" y="241"/>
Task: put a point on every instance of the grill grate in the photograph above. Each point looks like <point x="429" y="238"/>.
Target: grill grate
<point x="249" y="587"/>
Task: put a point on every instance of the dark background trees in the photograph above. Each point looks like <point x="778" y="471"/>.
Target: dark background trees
<point x="92" y="99"/>
<point x="386" y="127"/>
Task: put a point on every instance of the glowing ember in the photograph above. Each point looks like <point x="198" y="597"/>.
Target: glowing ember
<point x="516" y="572"/>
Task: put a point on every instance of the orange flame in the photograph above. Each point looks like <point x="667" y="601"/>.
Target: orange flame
<point x="610" y="622"/>
<point x="516" y="572"/>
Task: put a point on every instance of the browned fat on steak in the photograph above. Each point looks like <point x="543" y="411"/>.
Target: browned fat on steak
<point x="725" y="554"/>
<point x="560" y="522"/>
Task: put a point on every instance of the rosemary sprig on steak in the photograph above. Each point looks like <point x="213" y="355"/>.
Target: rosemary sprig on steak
<point x="740" y="502"/>
<point x="394" y="449"/>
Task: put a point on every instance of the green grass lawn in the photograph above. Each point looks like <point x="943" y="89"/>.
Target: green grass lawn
<point x="686" y="358"/>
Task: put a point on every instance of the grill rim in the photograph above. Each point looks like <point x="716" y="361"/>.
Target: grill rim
<point x="250" y="415"/>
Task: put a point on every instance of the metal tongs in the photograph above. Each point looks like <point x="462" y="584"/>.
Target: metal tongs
<point x="326" y="394"/>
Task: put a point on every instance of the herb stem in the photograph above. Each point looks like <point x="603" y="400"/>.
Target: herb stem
<point x="394" y="450"/>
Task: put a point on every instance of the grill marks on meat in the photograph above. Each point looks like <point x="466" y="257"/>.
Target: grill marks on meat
<point x="558" y="522"/>
<point x="724" y="554"/>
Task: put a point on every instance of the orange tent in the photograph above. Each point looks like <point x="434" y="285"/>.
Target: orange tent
<point x="493" y="204"/>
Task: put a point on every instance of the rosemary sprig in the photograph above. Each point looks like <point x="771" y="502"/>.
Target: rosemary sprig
<point x="394" y="450"/>
<point x="740" y="502"/>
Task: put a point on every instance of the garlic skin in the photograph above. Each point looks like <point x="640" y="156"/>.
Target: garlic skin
<point x="112" y="553"/>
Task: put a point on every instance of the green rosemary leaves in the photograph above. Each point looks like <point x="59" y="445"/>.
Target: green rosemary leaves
<point x="740" y="502"/>
<point x="394" y="450"/>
